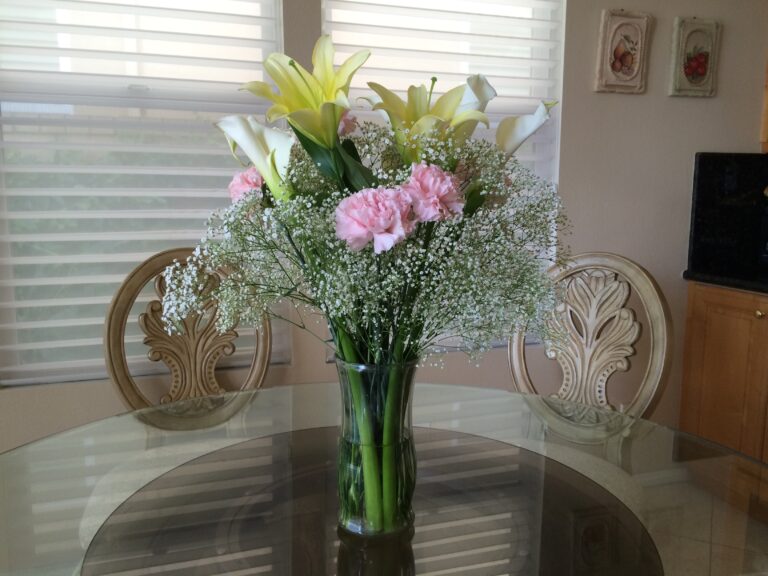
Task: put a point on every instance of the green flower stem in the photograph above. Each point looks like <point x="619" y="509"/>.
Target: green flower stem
<point x="371" y="480"/>
<point x="392" y="414"/>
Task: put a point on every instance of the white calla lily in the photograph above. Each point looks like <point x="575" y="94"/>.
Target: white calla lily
<point x="515" y="130"/>
<point x="479" y="94"/>
<point x="474" y="99"/>
<point x="268" y="149"/>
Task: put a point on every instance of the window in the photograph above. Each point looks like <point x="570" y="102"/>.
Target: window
<point x="109" y="155"/>
<point x="516" y="44"/>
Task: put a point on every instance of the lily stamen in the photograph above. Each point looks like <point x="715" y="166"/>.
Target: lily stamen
<point x="431" y="88"/>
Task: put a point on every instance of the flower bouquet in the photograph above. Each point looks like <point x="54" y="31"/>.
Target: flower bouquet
<point x="403" y="233"/>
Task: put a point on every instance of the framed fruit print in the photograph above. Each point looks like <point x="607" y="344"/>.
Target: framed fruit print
<point x="622" y="53"/>
<point x="695" y="46"/>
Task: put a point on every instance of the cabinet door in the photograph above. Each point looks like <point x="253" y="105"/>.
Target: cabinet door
<point x="765" y="452"/>
<point x="725" y="381"/>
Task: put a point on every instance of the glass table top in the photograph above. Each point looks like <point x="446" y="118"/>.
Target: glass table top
<point x="507" y="485"/>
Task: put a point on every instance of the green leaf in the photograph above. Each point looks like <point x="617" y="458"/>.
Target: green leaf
<point x="356" y="176"/>
<point x="473" y="198"/>
<point x="326" y="160"/>
<point x="351" y="149"/>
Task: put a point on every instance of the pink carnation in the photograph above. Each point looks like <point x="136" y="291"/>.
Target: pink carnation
<point x="378" y="214"/>
<point x="244" y="183"/>
<point x="434" y="193"/>
<point x="347" y="123"/>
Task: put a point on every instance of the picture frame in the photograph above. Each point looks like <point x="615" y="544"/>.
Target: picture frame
<point x="622" y="54"/>
<point x="695" y="49"/>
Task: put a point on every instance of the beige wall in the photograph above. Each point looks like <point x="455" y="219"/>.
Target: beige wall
<point x="625" y="175"/>
<point x="626" y="164"/>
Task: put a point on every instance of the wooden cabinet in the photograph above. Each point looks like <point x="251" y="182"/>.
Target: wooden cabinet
<point x="725" y="377"/>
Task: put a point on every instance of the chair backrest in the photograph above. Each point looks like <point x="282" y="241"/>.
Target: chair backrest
<point x="597" y="332"/>
<point x="191" y="356"/>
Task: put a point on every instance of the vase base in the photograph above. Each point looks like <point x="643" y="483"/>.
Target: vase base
<point x="404" y="534"/>
<point x="390" y="553"/>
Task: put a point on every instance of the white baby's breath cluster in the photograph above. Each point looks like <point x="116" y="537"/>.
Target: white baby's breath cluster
<point x="478" y="275"/>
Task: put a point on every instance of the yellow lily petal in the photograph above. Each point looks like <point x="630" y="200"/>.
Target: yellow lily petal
<point x="297" y="86"/>
<point x="410" y="149"/>
<point x="446" y="105"/>
<point x="331" y="114"/>
<point x="299" y="92"/>
<point x="322" y="62"/>
<point x="341" y="100"/>
<point x="348" y="68"/>
<point x="391" y="103"/>
<point x="275" y="168"/>
<point x="308" y="121"/>
<point x="426" y="124"/>
<point x="464" y="124"/>
<point x="418" y="102"/>
<point x="262" y="90"/>
<point x="321" y="126"/>
<point x="276" y="112"/>
<point x="470" y="116"/>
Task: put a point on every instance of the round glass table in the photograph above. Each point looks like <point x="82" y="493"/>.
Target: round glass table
<point x="507" y="485"/>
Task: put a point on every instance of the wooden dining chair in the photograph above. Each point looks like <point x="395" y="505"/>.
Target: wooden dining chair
<point x="596" y="332"/>
<point x="191" y="356"/>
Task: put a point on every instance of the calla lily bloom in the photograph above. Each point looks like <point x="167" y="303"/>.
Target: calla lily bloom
<point x="476" y="98"/>
<point x="418" y="116"/>
<point x="515" y="130"/>
<point x="479" y="94"/>
<point x="268" y="149"/>
<point x="312" y="103"/>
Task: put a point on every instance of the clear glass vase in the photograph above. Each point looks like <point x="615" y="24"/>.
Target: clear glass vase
<point x="377" y="460"/>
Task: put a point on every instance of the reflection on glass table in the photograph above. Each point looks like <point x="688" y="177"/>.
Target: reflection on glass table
<point x="507" y="484"/>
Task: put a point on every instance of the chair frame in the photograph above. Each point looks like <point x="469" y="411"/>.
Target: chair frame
<point x="117" y="320"/>
<point x="643" y="285"/>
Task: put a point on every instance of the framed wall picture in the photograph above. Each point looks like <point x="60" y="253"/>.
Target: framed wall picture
<point x="622" y="53"/>
<point x="695" y="45"/>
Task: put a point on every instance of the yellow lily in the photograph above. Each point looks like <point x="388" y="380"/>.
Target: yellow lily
<point x="417" y="116"/>
<point x="515" y="130"/>
<point x="312" y="103"/>
<point x="268" y="149"/>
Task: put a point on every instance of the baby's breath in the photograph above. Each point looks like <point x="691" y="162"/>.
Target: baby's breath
<point x="476" y="276"/>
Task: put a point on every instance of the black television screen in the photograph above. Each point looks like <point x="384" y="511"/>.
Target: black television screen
<point x="729" y="220"/>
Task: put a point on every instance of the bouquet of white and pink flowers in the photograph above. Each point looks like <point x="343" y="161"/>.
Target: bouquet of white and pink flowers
<point x="402" y="233"/>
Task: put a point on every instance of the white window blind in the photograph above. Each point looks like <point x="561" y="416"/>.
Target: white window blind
<point x="516" y="44"/>
<point x="109" y="155"/>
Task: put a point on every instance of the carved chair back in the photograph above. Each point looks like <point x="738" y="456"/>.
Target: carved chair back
<point x="191" y="356"/>
<point x="597" y="332"/>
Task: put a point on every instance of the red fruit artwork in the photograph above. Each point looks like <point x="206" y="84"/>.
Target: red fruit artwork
<point x="695" y="57"/>
<point x="696" y="65"/>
